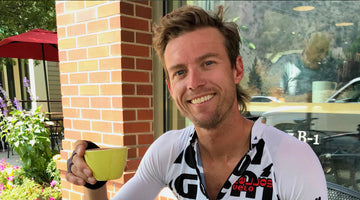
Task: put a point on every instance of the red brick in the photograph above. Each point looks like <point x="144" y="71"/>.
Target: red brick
<point x="129" y="115"/>
<point x="134" y="23"/>
<point x="85" y="15"/>
<point x="117" y="102"/>
<point x="80" y="102"/>
<point x="142" y="151"/>
<point x="144" y="89"/>
<point x="110" y="63"/>
<point x="65" y="102"/>
<point x="60" y="8"/>
<point x="115" y="50"/>
<point x="77" y="54"/>
<point x="127" y="62"/>
<point x="89" y="90"/>
<point x="97" y="26"/>
<point x="66" y="19"/>
<point x="91" y="136"/>
<point x="108" y="9"/>
<point x="126" y="8"/>
<point x="144" y="38"/>
<point x="145" y="139"/>
<point x="115" y="22"/>
<point x="116" y="76"/>
<point x="118" y="127"/>
<point x="76" y="30"/>
<point x="136" y="127"/>
<point x="63" y="56"/>
<point x="132" y="164"/>
<point x="113" y="139"/>
<point x="101" y="126"/>
<point x="74" y="135"/>
<point x="144" y="12"/>
<point x="68" y="67"/>
<point x="145" y="114"/>
<point x="128" y="89"/>
<point x="127" y="36"/>
<point x="79" y="78"/>
<point x="135" y="102"/>
<point x="67" y="123"/>
<point x="112" y="115"/>
<point x="87" y="40"/>
<point x="144" y="2"/>
<point x="131" y="151"/>
<point x="111" y="89"/>
<point x="135" y="50"/>
<point x="129" y="140"/>
<point x="135" y="76"/>
<point x="99" y="77"/>
<point x="64" y="79"/>
<point x="100" y="102"/>
<point x="81" y="124"/>
<point x="90" y="114"/>
<point x="71" y="112"/>
<point x="144" y="64"/>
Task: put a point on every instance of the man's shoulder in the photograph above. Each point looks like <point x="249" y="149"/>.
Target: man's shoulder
<point x="173" y="140"/>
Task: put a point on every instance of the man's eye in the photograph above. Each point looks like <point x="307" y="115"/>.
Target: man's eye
<point x="207" y="63"/>
<point x="180" y="72"/>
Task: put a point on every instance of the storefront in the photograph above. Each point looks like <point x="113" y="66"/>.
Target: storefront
<point x="301" y="61"/>
<point x="302" y="68"/>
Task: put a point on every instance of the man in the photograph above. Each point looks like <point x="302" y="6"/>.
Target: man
<point x="223" y="156"/>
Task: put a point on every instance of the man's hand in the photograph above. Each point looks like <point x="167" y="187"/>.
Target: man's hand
<point x="80" y="171"/>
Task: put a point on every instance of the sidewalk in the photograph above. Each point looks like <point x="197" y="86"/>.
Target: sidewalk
<point x="13" y="159"/>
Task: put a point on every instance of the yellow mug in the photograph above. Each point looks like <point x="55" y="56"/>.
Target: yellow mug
<point x="106" y="163"/>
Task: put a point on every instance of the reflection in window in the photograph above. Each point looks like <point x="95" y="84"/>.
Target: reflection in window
<point x="306" y="56"/>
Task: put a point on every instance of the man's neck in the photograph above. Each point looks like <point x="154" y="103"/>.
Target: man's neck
<point x="226" y="140"/>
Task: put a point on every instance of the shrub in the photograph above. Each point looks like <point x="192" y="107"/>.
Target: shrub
<point x="26" y="132"/>
<point x="15" y="185"/>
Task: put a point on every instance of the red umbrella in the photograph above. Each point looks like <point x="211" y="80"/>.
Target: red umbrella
<point x="36" y="44"/>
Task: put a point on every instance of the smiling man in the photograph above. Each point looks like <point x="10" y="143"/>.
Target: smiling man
<point x="223" y="155"/>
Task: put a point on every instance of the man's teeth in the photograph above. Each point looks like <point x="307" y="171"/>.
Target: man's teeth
<point x="202" y="99"/>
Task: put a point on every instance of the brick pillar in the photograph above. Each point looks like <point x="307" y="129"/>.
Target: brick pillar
<point x="106" y="80"/>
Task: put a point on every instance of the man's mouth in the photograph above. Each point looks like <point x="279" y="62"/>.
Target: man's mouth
<point x="202" y="99"/>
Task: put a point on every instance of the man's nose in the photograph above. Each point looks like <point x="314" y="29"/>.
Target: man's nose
<point x="195" y="79"/>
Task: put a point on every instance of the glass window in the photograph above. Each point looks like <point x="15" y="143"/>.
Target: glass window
<point x="302" y="69"/>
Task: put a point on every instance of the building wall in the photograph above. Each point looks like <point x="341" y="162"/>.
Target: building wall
<point x="106" y="80"/>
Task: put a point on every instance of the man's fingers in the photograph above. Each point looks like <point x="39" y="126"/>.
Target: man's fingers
<point x="82" y="170"/>
<point x="80" y="147"/>
<point x="74" y="179"/>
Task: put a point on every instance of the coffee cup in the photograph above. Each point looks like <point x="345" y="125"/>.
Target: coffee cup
<point x="106" y="163"/>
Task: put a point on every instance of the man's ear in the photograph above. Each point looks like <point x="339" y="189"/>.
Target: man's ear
<point x="169" y="87"/>
<point x="239" y="70"/>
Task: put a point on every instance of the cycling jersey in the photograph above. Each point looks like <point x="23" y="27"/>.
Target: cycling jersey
<point x="276" y="166"/>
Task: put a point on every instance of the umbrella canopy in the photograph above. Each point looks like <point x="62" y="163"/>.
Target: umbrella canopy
<point x="29" y="45"/>
<point x="36" y="44"/>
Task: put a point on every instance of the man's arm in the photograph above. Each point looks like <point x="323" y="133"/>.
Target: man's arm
<point x="97" y="194"/>
<point x="79" y="173"/>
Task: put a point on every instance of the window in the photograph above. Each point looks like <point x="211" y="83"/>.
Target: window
<point x="302" y="68"/>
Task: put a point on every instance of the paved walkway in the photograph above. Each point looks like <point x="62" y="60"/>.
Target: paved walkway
<point x="13" y="159"/>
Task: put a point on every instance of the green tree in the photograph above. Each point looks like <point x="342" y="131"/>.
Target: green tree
<point x="255" y="81"/>
<point x="20" y="16"/>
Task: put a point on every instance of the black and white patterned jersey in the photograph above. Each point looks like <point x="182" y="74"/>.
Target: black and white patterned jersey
<point x="276" y="166"/>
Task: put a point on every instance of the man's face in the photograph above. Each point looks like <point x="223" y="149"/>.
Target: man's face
<point x="201" y="79"/>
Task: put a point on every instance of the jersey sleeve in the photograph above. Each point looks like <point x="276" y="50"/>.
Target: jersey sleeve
<point x="150" y="177"/>
<point x="299" y="173"/>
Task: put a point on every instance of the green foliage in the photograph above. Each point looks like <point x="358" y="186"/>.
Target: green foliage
<point x="353" y="49"/>
<point x="255" y="81"/>
<point x="27" y="135"/>
<point x="26" y="132"/>
<point x="21" y="16"/>
<point x="15" y="185"/>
